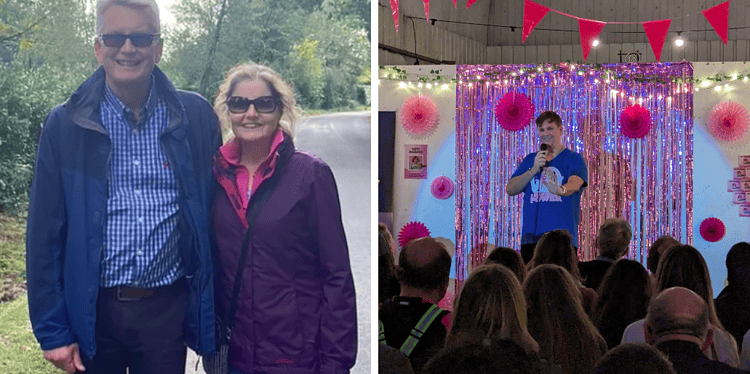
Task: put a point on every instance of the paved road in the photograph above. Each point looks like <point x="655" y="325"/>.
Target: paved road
<point x="343" y="141"/>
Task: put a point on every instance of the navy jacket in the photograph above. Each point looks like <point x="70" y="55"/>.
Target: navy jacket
<point x="297" y="309"/>
<point x="68" y="206"/>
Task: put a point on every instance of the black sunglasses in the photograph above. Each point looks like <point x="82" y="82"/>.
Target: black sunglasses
<point x="138" y="40"/>
<point x="263" y="104"/>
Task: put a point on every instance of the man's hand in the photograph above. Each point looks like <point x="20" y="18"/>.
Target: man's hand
<point x="66" y="358"/>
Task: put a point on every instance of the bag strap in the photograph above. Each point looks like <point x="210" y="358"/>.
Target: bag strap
<point x="257" y="201"/>
<point x="416" y="333"/>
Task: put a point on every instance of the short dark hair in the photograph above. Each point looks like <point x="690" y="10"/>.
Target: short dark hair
<point x="634" y="358"/>
<point x="613" y="238"/>
<point x="738" y="264"/>
<point x="432" y="275"/>
<point x="656" y="250"/>
<point x="509" y="258"/>
<point x="549" y="115"/>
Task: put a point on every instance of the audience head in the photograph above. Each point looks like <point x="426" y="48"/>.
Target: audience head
<point x="387" y="283"/>
<point x="392" y="361"/>
<point x="480" y="358"/>
<point x="424" y="264"/>
<point x="623" y="299"/>
<point x="678" y="313"/>
<point x="556" y="247"/>
<point x="632" y="358"/>
<point x="613" y="238"/>
<point x="490" y="307"/>
<point x="557" y="321"/>
<point x="684" y="266"/>
<point x="738" y="265"/>
<point x="657" y="249"/>
<point x="509" y="258"/>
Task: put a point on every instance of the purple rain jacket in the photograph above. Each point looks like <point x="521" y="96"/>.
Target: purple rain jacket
<point x="296" y="311"/>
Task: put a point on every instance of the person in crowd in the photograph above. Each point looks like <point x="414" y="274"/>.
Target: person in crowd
<point x="555" y="247"/>
<point x="634" y="358"/>
<point x="491" y="307"/>
<point x="392" y="361"/>
<point x="565" y="334"/>
<point x="677" y="324"/>
<point x="423" y="270"/>
<point x="660" y="245"/>
<point x="612" y="241"/>
<point x="387" y="283"/>
<point x="745" y="354"/>
<point x="118" y="247"/>
<point x="552" y="181"/>
<point x="509" y="258"/>
<point x="684" y="266"/>
<point x="296" y="309"/>
<point x="490" y="313"/>
<point x="496" y="356"/>
<point x="733" y="303"/>
<point x="623" y="299"/>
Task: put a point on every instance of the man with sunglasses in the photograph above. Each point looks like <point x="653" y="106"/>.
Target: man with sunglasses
<point x="118" y="253"/>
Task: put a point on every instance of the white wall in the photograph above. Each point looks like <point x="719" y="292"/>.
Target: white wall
<point x="713" y="168"/>
<point x="412" y="199"/>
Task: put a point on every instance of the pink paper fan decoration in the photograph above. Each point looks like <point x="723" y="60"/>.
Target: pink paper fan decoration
<point x="712" y="229"/>
<point x="728" y="121"/>
<point x="412" y="230"/>
<point x="513" y="111"/>
<point x="419" y="115"/>
<point x="635" y="121"/>
<point x="442" y="187"/>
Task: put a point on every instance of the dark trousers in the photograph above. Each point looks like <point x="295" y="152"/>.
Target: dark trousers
<point x="145" y="335"/>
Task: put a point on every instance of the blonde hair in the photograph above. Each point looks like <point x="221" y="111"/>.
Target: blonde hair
<point x="565" y="334"/>
<point x="150" y="5"/>
<point x="490" y="307"/>
<point x="279" y="89"/>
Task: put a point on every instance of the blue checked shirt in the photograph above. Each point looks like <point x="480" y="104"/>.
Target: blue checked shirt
<point x="140" y="239"/>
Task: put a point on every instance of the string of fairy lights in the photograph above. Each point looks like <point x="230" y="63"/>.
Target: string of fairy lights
<point x="434" y="79"/>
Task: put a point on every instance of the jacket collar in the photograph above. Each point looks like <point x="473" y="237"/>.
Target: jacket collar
<point x="85" y="101"/>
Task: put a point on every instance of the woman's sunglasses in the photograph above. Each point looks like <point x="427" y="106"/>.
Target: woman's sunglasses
<point x="138" y="40"/>
<point x="263" y="104"/>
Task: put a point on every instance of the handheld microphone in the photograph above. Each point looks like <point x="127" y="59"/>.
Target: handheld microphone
<point x="543" y="147"/>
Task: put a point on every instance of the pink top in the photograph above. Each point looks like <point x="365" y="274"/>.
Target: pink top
<point x="237" y="189"/>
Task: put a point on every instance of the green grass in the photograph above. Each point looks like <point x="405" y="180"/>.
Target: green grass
<point x="19" y="350"/>
<point x="12" y="248"/>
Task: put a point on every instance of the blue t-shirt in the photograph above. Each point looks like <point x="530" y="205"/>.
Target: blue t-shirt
<point x="554" y="212"/>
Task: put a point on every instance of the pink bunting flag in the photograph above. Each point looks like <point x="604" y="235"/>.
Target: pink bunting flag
<point x="426" y="9"/>
<point x="469" y="3"/>
<point x="394" y="10"/>
<point x="454" y="4"/>
<point x="532" y="14"/>
<point x="589" y="30"/>
<point x="718" y="17"/>
<point x="656" y="31"/>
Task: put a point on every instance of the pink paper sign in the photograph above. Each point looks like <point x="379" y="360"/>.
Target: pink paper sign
<point x="739" y="198"/>
<point x="744" y="161"/>
<point x="740" y="173"/>
<point x="734" y="186"/>
<point x="744" y="211"/>
<point x="415" y="161"/>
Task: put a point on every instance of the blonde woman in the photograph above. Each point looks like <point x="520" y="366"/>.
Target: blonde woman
<point x="491" y="312"/>
<point x="295" y="309"/>
<point x="565" y="334"/>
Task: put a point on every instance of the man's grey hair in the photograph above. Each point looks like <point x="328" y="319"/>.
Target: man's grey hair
<point x="663" y="321"/>
<point x="150" y="5"/>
